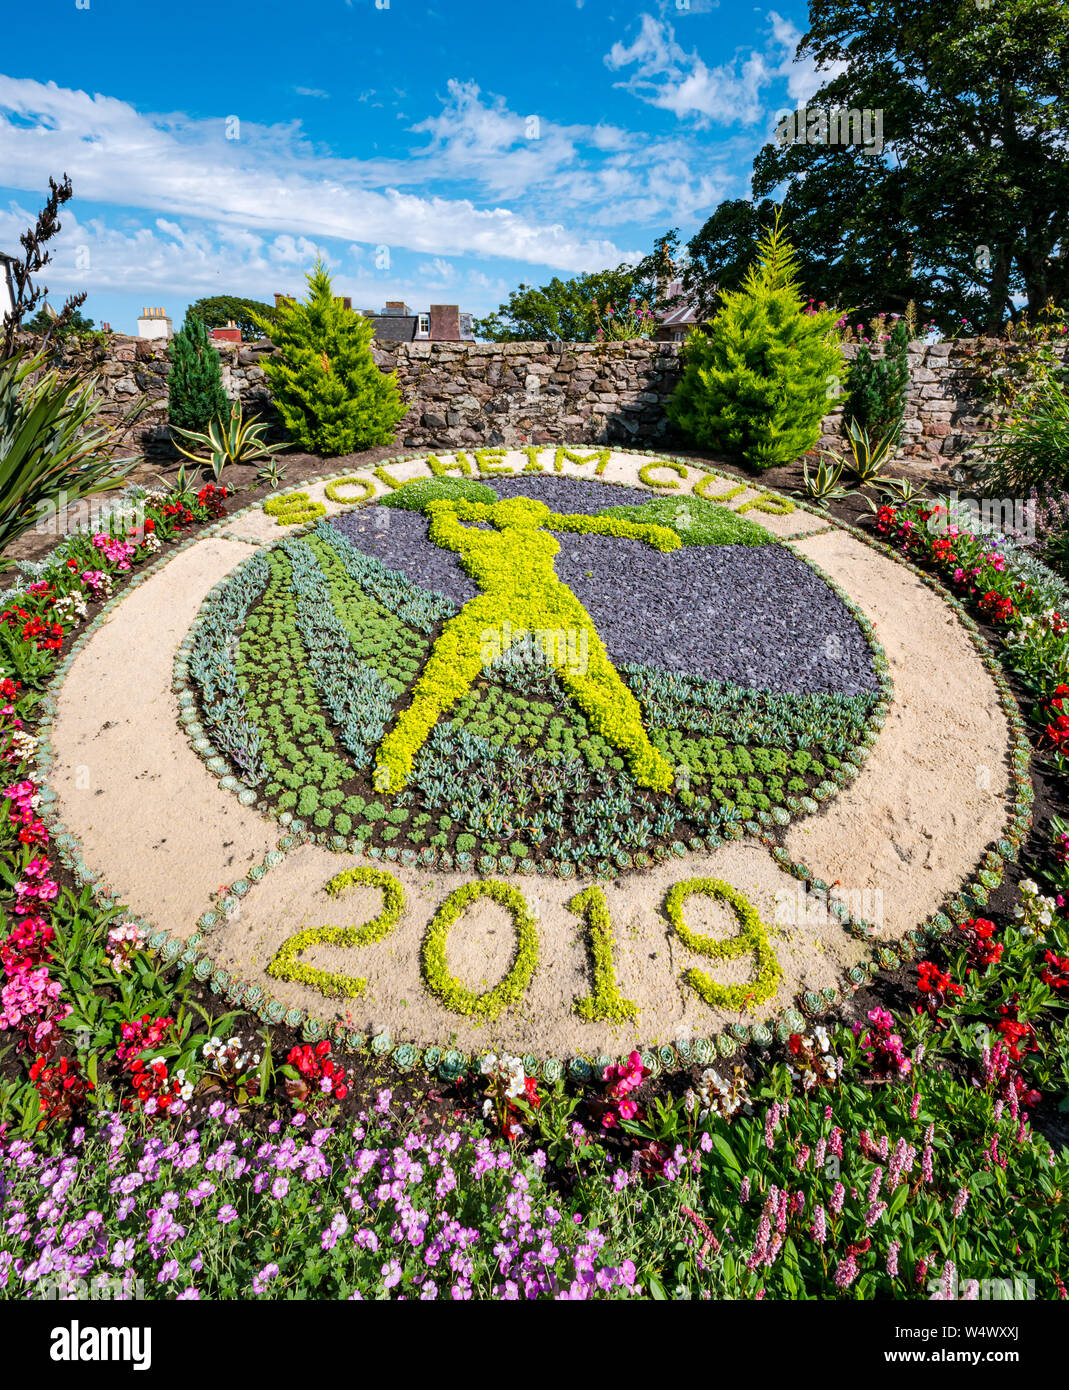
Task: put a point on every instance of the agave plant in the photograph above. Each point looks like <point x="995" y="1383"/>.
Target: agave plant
<point x="237" y="441"/>
<point x="824" y="487"/>
<point x="867" y="456"/>
<point x="50" y="453"/>
<point x="901" y="489"/>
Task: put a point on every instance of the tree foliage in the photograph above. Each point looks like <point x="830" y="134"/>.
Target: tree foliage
<point x="43" y="322"/>
<point x="195" y="395"/>
<point x="247" y="314"/>
<point x="326" y="387"/>
<point x="877" y="388"/>
<point x="720" y="254"/>
<point x="568" y="310"/>
<point x="966" y="211"/>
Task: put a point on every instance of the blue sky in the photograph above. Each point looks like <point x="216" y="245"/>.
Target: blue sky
<point x="433" y="153"/>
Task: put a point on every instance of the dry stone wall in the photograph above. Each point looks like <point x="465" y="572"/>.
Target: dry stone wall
<point x="539" y="393"/>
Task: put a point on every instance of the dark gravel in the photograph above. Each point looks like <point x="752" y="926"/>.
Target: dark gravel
<point x="754" y="615"/>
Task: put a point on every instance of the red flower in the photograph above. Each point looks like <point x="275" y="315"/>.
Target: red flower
<point x="1056" y="971"/>
<point x="983" y="950"/>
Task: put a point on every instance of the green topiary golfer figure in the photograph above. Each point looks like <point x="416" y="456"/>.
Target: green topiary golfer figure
<point x="513" y="566"/>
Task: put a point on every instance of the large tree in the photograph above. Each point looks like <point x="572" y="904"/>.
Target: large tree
<point x="967" y="209"/>
<point x="218" y="310"/>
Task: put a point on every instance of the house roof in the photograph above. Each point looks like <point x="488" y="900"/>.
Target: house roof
<point x="394" y="328"/>
<point x="678" y="317"/>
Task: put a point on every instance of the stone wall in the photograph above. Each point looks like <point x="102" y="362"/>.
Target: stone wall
<point x="533" y="393"/>
<point x="946" y="407"/>
<point x="132" y="376"/>
<point x="541" y="393"/>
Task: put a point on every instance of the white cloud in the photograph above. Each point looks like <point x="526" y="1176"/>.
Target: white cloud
<point x="170" y="262"/>
<point x="803" y="76"/>
<point x="438" y="271"/>
<point x="669" y="77"/>
<point x="596" y="171"/>
<point x="270" y="180"/>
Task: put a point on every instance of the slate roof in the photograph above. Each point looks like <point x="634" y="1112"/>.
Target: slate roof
<point x="394" y="328"/>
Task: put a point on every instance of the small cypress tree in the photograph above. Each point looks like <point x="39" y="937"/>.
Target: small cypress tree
<point x="877" y="388"/>
<point x="195" y="395"/>
<point x="331" y="396"/>
<point x="756" y="384"/>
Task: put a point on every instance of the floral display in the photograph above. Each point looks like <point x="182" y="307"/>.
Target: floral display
<point x="503" y="732"/>
<point x="896" y="1150"/>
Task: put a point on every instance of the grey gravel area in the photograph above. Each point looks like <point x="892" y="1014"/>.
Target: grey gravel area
<point x="754" y="615"/>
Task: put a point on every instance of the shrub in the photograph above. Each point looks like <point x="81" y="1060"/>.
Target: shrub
<point x="1031" y="450"/>
<point x="756" y="384"/>
<point x="195" y="395"/>
<point x="50" y="451"/>
<point x="328" y="391"/>
<point x="877" y="389"/>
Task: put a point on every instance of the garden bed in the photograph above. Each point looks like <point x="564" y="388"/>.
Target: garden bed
<point x="674" y="1154"/>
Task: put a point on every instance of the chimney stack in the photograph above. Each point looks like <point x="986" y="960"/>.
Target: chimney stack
<point x="445" y="323"/>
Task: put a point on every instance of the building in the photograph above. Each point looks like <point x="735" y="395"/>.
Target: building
<point x="155" y="324"/>
<point x="441" y="323"/>
<point x="7" y="285"/>
<point x="230" y="334"/>
<point x="397" y="323"/>
<point x="673" y="325"/>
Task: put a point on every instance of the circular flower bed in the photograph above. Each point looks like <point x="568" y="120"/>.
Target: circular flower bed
<point x="592" y="736"/>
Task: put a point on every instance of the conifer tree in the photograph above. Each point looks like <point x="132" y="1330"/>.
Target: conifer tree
<point x="195" y="395"/>
<point x="877" y="388"/>
<point x="758" y="382"/>
<point x="331" y="396"/>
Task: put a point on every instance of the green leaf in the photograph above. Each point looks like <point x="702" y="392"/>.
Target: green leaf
<point x="723" y="1148"/>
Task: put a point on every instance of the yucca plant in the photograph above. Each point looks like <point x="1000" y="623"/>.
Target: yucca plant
<point x="272" y="473"/>
<point x="50" y="453"/>
<point x="237" y="441"/>
<point x="823" y="488"/>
